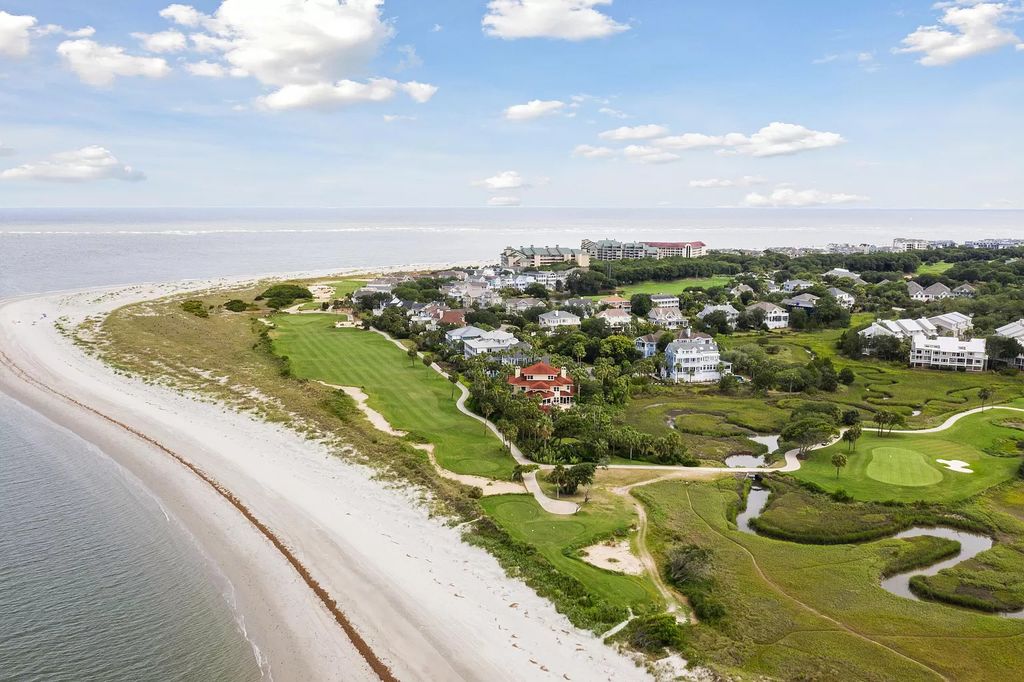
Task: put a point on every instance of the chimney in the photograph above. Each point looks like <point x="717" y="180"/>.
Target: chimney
<point x="519" y="371"/>
<point x="563" y="372"/>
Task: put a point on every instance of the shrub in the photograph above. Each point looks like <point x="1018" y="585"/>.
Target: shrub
<point x="236" y="306"/>
<point x="654" y="633"/>
<point x="195" y="308"/>
<point x="283" y="295"/>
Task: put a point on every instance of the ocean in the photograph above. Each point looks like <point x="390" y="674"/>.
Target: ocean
<point x="96" y="582"/>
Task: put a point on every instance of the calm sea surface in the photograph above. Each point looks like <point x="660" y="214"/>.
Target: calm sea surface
<point x="95" y="582"/>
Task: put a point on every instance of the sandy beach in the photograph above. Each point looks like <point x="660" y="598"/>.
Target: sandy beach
<point x="428" y="606"/>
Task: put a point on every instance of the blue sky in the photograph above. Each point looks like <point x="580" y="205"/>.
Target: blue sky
<point x="410" y="103"/>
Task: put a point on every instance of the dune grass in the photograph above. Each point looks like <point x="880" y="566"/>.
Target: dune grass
<point x="792" y="610"/>
<point x="903" y="467"/>
<point x="412" y="397"/>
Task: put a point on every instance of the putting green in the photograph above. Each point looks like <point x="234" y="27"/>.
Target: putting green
<point x="902" y="466"/>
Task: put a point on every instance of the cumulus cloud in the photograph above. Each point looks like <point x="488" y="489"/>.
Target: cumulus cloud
<point x="504" y="180"/>
<point x="790" y="197"/>
<point x="775" y="139"/>
<point x="505" y="201"/>
<point x="647" y="154"/>
<point x="965" y="29"/>
<point x="719" y="183"/>
<point x="82" y="165"/>
<point x="15" y="34"/>
<point x="206" y="69"/>
<point x="562" y="19"/>
<point x="613" y="113"/>
<point x="535" y="108"/>
<point x="587" y="151"/>
<point x="410" y="59"/>
<point x="164" y="41"/>
<point x="308" y="50"/>
<point x="99" y="65"/>
<point x="343" y="93"/>
<point x="643" y="132"/>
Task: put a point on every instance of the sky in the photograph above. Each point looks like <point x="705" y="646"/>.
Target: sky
<point x="507" y="103"/>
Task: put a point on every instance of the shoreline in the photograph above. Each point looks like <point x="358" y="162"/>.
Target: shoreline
<point x="426" y="617"/>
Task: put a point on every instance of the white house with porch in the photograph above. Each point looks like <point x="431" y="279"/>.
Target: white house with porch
<point x="694" y="359"/>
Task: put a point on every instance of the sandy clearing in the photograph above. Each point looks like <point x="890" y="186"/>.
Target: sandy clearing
<point x="613" y="556"/>
<point x="429" y="605"/>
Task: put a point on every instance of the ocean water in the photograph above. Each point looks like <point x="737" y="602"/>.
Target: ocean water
<point x="95" y="582"/>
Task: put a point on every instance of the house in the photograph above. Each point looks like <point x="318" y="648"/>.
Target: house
<point x="901" y="329"/>
<point x="462" y="334"/>
<point x="664" y="300"/>
<point x="458" y="275"/>
<point x="456" y="317"/>
<point x="395" y="302"/>
<point x="669" y="318"/>
<point x="616" y="318"/>
<point x="937" y="292"/>
<point x="694" y="358"/>
<point x="550" y="279"/>
<point x="1014" y="330"/>
<point x="488" y="342"/>
<point x="585" y="305"/>
<point x="791" y="285"/>
<point x="647" y="345"/>
<point x="616" y="302"/>
<point x="844" y="299"/>
<point x="478" y="295"/>
<point x="965" y="290"/>
<point x="915" y="291"/>
<point x="775" y="317"/>
<point x="945" y="352"/>
<point x="427" y="314"/>
<point x="521" y="305"/>
<point x="741" y="289"/>
<point x="731" y="314"/>
<point x="843" y="273"/>
<point x="804" y="301"/>
<point x="609" y="249"/>
<point x="539" y="256"/>
<point x="556" y="319"/>
<point x="552" y="386"/>
<point x="953" y="324"/>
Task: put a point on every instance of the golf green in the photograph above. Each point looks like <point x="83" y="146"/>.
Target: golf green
<point x="902" y="466"/>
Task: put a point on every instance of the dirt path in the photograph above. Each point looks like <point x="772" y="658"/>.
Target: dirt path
<point x="810" y="609"/>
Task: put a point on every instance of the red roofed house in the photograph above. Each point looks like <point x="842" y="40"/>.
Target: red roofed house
<point x="456" y="317"/>
<point x="548" y="383"/>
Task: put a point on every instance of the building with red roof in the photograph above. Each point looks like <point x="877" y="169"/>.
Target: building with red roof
<point x="550" y="384"/>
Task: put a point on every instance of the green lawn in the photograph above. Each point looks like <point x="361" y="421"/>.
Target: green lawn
<point x="675" y="286"/>
<point x="412" y="397"/>
<point x="557" y="537"/>
<point x="772" y="627"/>
<point x="934" y="268"/>
<point x="345" y="287"/>
<point x="903" y="467"/>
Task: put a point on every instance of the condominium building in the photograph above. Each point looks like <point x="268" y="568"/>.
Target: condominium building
<point x="950" y="353"/>
<point x="901" y="244"/>
<point x="539" y="256"/>
<point x="609" y="249"/>
<point x="664" y="300"/>
<point x="1014" y="330"/>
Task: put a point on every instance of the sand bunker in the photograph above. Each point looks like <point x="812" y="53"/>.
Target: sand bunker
<point x="613" y="556"/>
<point x="956" y="465"/>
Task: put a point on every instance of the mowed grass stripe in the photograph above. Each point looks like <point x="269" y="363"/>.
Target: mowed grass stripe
<point x="412" y="397"/>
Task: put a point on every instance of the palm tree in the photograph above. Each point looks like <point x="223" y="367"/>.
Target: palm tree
<point x="454" y="380"/>
<point x="851" y="435"/>
<point x="985" y="394"/>
<point x="838" y="461"/>
<point x="412" y="356"/>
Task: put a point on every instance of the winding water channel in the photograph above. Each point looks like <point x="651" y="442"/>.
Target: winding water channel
<point x="971" y="545"/>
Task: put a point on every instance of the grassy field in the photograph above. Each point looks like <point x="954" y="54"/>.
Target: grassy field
<point x="903" y="467"/>
<point x="934" y="268"/>
<point x="412" y="397"/>
<point x="675" y="286"/>
<point x="557" y="538"/>
<point x="345" y="287"/>
<point x="816" y="612"/>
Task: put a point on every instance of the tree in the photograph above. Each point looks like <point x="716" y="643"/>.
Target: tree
<point x="536" y="290"/>
<point x="455" y="380"/>
<point x="847" y="376"/>
<point x="640" y="304"/>
<point x="427" y="360"/>
<point x="880" y="419"/>
<point x="728" y="384"/>
<point x="412" y="355"/>
<point x="559" y="476"/>
<point x="717" y="322"/>
<point x="838" y="461"/>
<point x="852" y="435"/>
<point x="850" y="417"/>
<point x="808" y="431"/>
<point x="985" y="394"/>
<point x="1003" y="350"/>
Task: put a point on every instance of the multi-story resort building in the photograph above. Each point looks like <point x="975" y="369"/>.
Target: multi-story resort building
<point x="694" y="358"/>
<point x="947" y="352"/>
<point x="539" y="256"/>
<point x="551" y="385"/>
<point x="901" y="244"/>
<point x="609" y="249"/>
<point x="1014" y="330"/>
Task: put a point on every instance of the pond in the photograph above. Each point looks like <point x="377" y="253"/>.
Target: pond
<point x="770" y="441"/>
<point x="744" y="461"/>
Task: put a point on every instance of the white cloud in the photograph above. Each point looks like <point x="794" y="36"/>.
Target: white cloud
<point x="343" y="93"/>
<point x="587" y="151"/>
<point x="614" y="113"/>
<point x="966" y="29"/>
<point x="718" y="183"/>
<point x="82" y="165"/>
<point x="410" y="59"/>
<point x="644" y="132"/>
<point x="505" y="201"/>
<point x="535" y="108"/>
<point x="437" y="28"/>
<point x="502" y="181"/>
<point x="15" y="35"/>
<point x="645" y="154"/>
<point x="164" y="41"/>
<point x="564" y="19"/>
<point x="206" y="69"/>
<point x="100" y="65"/>
<point x="775" y="139"/>
<point x="789" y="197"/>
<point x="392" y="118"/>
<point x="185" y="15"/>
